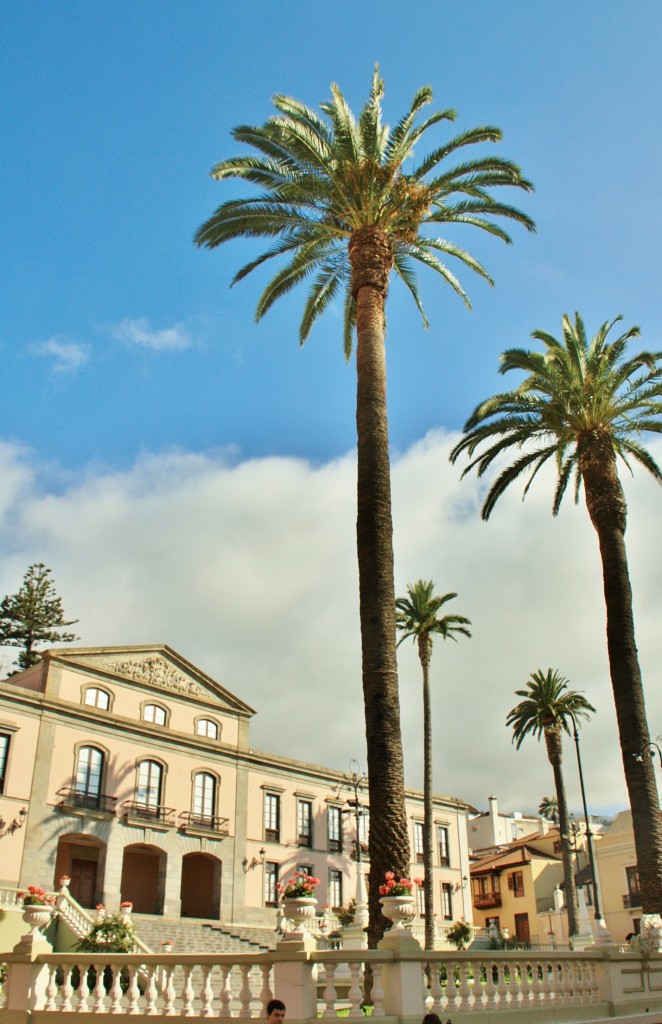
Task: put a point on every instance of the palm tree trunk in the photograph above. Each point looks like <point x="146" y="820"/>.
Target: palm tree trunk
<point x="607" y="508"/>
<point x="555" y="755"/>
<point x="388" y="842"/>
<point x="424" y="651"/>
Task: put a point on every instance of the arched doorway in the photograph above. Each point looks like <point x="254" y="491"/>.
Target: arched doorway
<point x="83" y="858"/>
<point x="201" y="886"/>
<point x="143" y="878"/>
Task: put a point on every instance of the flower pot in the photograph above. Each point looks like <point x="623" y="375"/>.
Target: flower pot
<point x="298" y="910"/>
<point x="400" y="910"/>
<point x="37" y="917"/>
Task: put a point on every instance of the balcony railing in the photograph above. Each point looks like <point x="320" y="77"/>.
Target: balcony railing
<point x="72" y="798"/>
<point x="484" y="900"/>
<point x="134" y="811"/>
<point x="631" y="899"/>
<point x="190" y="822"/>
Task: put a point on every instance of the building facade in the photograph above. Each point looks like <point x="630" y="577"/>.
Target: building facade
<point x="130" y="770"/>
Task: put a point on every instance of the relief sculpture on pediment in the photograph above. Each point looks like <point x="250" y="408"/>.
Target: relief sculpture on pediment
<point x="156" y="672"/>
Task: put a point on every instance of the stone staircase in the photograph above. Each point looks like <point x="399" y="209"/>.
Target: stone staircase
<point x="197" y="935"/>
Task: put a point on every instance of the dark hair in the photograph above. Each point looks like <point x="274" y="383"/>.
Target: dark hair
<point x="431" y="1018"/>
<point x="278" y="1004"/>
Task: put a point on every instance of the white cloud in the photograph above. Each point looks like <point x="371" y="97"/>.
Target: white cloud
<point x="249" y="570"/>
<point x="140" y="332"/>
<point x="67" y="356"/>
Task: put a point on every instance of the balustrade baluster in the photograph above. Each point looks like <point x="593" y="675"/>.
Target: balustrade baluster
<point x="436" y="989"/>
<point x="266" y="993"/>
<point x="525" y="983"/>
<point x="490" y="987"/>
<point x="51" y="988"/>
<point x="82" y="993"/>
<point x="169" y="990"/>
<point x="547" y="988"/>
<point x="99" y="991"/>
<point x="151" y="992"/>
<point x="207" y="992"/>
<point x="226" y="991"/>
<point x="330" y="995"/>
<point x="67" y="988"/>
<point x="355" y="994"/>
<point x="451" y="986"/>
<point x="245" y="992"/>
<point x="503" y="983"/>
<point x="377" y="991"/>
<point x="188" y="994"/>
<point x="115" y="989"/>
<point x="464" y="989"/>
<point x="133" y="991"/>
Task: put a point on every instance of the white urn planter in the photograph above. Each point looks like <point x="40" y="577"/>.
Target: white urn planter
<point x="37" y="917"/>
<point x="399" y="910"/>
<point x="297" y="910"/>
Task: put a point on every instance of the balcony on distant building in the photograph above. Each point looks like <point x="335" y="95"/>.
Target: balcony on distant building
<point x="71" y="799"/>
<point x="631" y="899"/>
<point x="137" y="813"/>
<point x="485" y="900"/>
<point x="206" y="824"/>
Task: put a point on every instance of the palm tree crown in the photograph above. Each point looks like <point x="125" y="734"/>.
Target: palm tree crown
<point x="418" y="617"/>
<point x="326" y="180"/>
<point x="546" y="703"/>
<point x="548" y="808"/>
<point x="546" y="707"/>
<point x="577" y="396"/>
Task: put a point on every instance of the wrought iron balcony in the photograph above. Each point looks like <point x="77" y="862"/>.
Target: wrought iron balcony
<point x="631" y="899"/>
<point x="190" y="822"/>
<point x="156" y="813"/>
<point x="71" y="798"/>
<point x="483" y="900"/>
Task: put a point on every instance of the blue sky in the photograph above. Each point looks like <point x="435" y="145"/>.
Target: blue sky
<point x="136" y="380"/>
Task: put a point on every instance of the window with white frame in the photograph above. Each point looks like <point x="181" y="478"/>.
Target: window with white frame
<point x="96" y="698"/>
<point x="442" y="840"/>
<point x="272" y="817"/>
<point x="89" y="770"/>
<point x="270" y="883"/>
<point x="207" y="727"/>
<point x="420" y="900"/>
<point x="204" y="797"/>
<point x="155" y="713"/>
<point x="305" y="822"/>
<point x="447" y="901"/>
<point x="150" y="778"/>
<point x="334" y="828"/>
<point x="5" y="740"/>
<point x="418" y="841"/>
<point x="335" y="888"/>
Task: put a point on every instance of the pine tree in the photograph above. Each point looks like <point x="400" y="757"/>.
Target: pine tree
<point x="33" y="615"/>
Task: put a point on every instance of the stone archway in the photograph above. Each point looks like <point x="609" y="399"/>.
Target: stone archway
<point x="201" y="886"/>
<point x="143" y="878"/>
<point x="83" y="858"/>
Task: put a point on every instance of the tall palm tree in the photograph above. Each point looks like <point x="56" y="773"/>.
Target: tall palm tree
<point x="545" y="709"/>
<point x="548" y="808"/>
<point x="417" y="616"/>
<point x="333" y="192"/>
<point x="582" y="405"/>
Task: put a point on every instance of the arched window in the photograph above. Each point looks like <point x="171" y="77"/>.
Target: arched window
<point x="207" y="727"/>
<point x="96" y="698"/>
<point x="155" y="713"/>
<point x="89" y="772"/>
<point x="204" y="798"/>
<point x="150" y="778"/>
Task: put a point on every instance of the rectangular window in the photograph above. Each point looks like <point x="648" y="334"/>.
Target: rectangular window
<point x="334" y="829"/>
<point x="270" y="882"/>
<point x="442" y="840"/>
<point x="4" y="753"/>
<point x="364" y="827"/>
<point x="516" y="883"/>
<point x="418" y="841"/>
<point x="305" y="822"/>
<point x="447" y="901"/>
<point x="272" y="817"/>
<point x="335" y="888"/>
<point x="420" y="900"/>
<point x="632" y="876"/>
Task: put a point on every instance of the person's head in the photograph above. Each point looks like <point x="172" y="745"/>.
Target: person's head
<point x="431" y="1018"/>
<point x="275" y="1011"/>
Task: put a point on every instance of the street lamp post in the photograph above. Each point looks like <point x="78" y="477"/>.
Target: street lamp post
<point x="602" y="933"/>
<point x="355" y="782"/>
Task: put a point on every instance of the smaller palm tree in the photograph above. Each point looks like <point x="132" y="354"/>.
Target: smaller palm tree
<point x="548" y="808"/>
<point x="417" y="616"/>
<point x="546" y="707"/>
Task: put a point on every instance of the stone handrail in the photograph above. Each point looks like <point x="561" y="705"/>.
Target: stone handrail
<point x="405" y="982"/>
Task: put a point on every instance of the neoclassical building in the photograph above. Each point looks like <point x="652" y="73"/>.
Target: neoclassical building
<point x="130" y="770"/>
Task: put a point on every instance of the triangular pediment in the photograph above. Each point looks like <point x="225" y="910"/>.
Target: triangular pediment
<point x="156" y="667"/>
